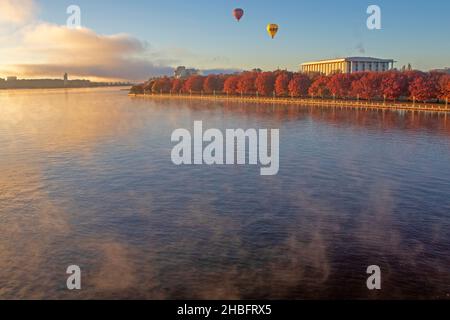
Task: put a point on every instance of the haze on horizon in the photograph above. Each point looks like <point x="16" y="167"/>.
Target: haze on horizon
<point x="137" y="39"/>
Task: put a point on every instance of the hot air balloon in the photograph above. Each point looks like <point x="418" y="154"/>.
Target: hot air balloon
<point x="238" y="13"/>
<point x="272" y="29"/>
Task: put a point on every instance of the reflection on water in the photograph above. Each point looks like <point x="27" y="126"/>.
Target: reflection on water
<point x="86" y="178"/>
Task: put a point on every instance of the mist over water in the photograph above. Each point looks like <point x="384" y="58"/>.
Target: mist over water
<point x="87" y="179"/>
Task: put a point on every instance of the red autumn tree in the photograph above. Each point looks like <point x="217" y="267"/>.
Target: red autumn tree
<point x="444" y="87"/>
<point x="340" y="85"/>
<point x="194" y="84"/>
<point x="230" y="84"/>
<point x="410" y="76"/>
<point x="265" y="83"/>
<point x="299" y="85"/>
<point x="163" y="85"/>
<point x="148" y="86"/>
<point x="319" y="88"/>
<point x="213" y="83"/>
<point x="368" y="87"/>
<point x="441" y="81"/>
<point x="137" y="89"/>
<point x="394" y="85"/>
<point x="177" y="85"/>
<point x="282" y="83"/>
<point x="313" y="76"/>
<point x="246" y="83"/>
<point x="220" y="82"/>
<point x="423" y="87"/>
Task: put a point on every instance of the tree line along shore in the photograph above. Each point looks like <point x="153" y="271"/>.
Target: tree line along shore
<point x="406" y="86"/>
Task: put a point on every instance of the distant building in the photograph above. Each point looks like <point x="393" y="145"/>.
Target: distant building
<point x="348" y="65"/>
<point x="182" y="72"/>
<point x="11" y="79"/>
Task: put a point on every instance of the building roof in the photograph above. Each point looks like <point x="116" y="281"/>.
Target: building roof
<point x="349" y="59"/>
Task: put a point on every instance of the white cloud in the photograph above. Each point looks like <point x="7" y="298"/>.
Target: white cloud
<point x="17" y="11"/>
<point x="56" y="49"/>
<point x="37" y="49"/>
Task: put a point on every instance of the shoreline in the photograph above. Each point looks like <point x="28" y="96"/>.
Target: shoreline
<point x="63" y="88"/>
<point x="352" y="104"/>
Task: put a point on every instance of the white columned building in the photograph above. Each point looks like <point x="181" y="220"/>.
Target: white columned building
<point x="348" y="65"/>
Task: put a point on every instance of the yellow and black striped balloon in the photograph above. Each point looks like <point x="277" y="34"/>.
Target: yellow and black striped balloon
<point x="272" y="29"/>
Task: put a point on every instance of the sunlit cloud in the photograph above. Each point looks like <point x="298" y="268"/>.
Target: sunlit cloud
<point x="41" y="49"/>
<point x="17" y="12"/>
<point x="82" y="52"/>
<point x="51" y="50"/>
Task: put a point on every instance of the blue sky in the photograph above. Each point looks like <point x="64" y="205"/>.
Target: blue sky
<point x="203" y="33"/>
<point x="415" y="31"/>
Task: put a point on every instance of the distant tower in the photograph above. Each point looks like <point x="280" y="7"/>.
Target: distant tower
<point x="66" y="79"/>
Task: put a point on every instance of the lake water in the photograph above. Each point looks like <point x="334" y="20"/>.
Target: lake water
<point x="86" y="179"/>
